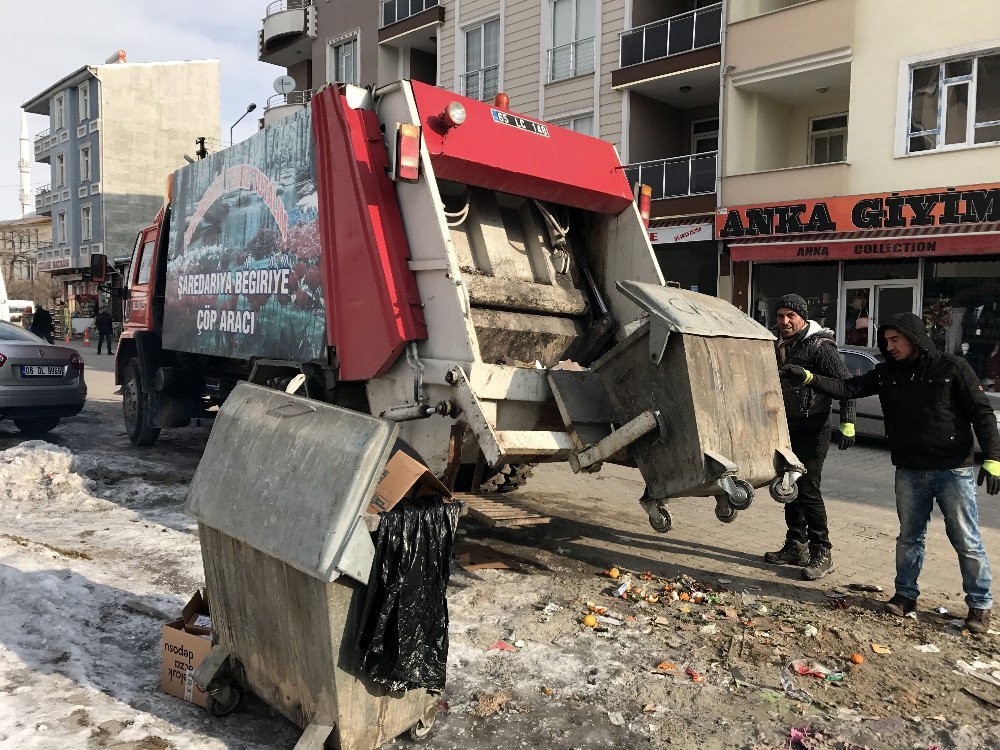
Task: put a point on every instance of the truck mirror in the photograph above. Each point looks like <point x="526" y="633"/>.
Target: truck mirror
<point x="98" y="268"/>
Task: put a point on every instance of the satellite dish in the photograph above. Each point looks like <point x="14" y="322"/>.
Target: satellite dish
<point x="284" y="84"/>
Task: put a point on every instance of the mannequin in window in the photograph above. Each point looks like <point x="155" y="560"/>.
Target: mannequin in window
<point x="856" y="319"/>
<point x="981" y="329"/>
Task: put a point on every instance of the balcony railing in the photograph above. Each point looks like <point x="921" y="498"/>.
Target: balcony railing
<point x="292" y="97"/>
<point x="573" y="59"/>
<point x="282" y="5"/>
<point x="672" y="36"/>
<point x="672" y="178"/>
<point x="481" y="84"/>
<point x="43" y="189"/>
<point x="42" y="136"/>
<point x="397" y="10"/>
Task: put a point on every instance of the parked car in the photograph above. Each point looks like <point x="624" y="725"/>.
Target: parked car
<point x="40" y="383"/>
<point x="870" y="422"/>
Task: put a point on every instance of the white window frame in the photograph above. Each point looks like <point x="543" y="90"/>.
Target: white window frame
<point x="86" y="224"/>
<point x="332" y="51"/>
<point x="61" y="228"/>
<point x="60" y="171"/>
<point x="461" y="43"/>
<point x="575" y="68"/>
<point x="826" y="133"/>
<point x="904" y="94"/>
<point x="695" y="137"/>
<point x="59" y="103"/>
<point x="568" y="121"/>
<point x="85" y="163"/>
<point x="83" y="100"/>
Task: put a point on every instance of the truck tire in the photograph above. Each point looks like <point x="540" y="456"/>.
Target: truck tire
<point x="135" y="407"/>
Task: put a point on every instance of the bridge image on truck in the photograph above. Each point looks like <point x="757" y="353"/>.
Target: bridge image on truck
<point x="431" y="260"/>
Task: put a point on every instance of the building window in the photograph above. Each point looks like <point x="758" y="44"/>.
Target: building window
<point x="60" y="111"/>
<point x="61" y="227"/>
<point x="705" y="136"/>
<point x="84" y="163"/>
<point x="828" y="139"/>
<point x="954" y="103"/>
<point x="60" y="170"/>
<point x="84" y="101"/>
<point x="343" y="60"/>
<point x="580" y="123"/>
<point x="573" y="29"/>
<point x="481" y="79"/>
<point x="86" y="226"/>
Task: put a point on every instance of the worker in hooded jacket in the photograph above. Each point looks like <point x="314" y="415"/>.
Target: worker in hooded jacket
<point x="932" y="403"/>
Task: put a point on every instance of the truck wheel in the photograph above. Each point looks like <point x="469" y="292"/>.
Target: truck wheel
<point x="136" y="409"/>
<point x="36" y="426"/>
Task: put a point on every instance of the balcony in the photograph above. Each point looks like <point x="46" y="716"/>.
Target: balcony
<point x="789" y="184"/>
<point x="681" y="184"/>
<point x="411" y="23"/>
<point x="280" y="106"/>
<point x="43" y="146"/>
<point x="288" y="32"/>
<point x="653" y="58"/>
<point x="480" y="84"/>
<point x="571" y="60"/>
<point x="43" y="200"/>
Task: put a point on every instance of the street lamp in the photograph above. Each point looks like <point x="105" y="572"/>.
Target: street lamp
<point x="250" y="108"/>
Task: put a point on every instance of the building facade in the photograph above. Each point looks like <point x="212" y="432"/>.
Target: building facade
<point x="642" y="74"/>
<point x="861" y="169"/>
<point x="115" y="132"/>
<point x="20" y="241"/>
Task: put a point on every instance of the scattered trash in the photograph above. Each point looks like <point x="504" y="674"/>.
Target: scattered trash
<point x="623" y="589"/>
<point x="710" y="629"/>
<point x="912" y="615"/>
<point x="489" y="704"/>
<point x="616" y="718"/>
<point x="547" y="691"/>
<point x="811" y="631"/>
<point x="857" y="659"/>
<point x="959" y="623"/>
<point x="973" y="670"/>
<point x="519" y="644"/>
<point x="724" y="581"/>
<point x="474" y="557"/>
<point x="941" y="610"/>
<point x="604" y="620"/>
<point x="788" y="685"/>
<point x="662" y="621"/>
<point x="652" y="708"/>
<point x="596" y="609"/>
<point x="871" y="587"/>
<point x="613" y="573"/>
<point x="928" y="648"/>
<point x="551" y="607"/>
<point x="590" y="621"/>
<point x="881" y="649"/>
<point x="815" y="669"/>
<point x="502" y="646"/>
<point x="836" y="594"/>
<point x="695" y="676"/>
<point x="667" y="666"/>
<point x="981" y="696"/>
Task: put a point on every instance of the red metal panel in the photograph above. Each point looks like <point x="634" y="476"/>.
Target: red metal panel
<point x="547" y="162"/>
<point x="373" y="306"/>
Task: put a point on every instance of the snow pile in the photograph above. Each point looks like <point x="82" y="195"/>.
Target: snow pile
<point x="37" y="465"/>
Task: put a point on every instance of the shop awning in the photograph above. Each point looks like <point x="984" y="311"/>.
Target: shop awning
<point x="688" y="229"/>
<point x="909" y="242"/>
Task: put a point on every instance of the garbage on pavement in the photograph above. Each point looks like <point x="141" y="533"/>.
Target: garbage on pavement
<point x="186" y="642"/>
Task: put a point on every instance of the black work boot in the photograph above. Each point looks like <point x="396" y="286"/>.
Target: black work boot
<point x="793" y="553"/>
<point x="900" y="606"/>
<point x="820" y="563"/>
<point x="978" y="620"/>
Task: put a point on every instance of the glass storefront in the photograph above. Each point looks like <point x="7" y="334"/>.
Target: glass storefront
<point x="961" y="309"/>
<point x="817" y="283"/>
<point x="693" y="265"/>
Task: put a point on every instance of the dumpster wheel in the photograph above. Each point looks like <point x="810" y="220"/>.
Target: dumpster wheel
<point x="422" y="730"/>
<point x="721" y="512"/>
<point x="743" y="497"/>
<point x="780" y="493"/>
<point x="226" y="702"/>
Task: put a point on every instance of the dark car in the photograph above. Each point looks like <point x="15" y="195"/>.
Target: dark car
<point x="870" y="422"/>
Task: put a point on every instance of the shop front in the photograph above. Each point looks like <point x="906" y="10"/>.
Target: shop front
<point x="687" y="253"/>
<point x="859" y="260"/>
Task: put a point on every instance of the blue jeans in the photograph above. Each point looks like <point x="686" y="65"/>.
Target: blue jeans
<point x="955" y="492"/>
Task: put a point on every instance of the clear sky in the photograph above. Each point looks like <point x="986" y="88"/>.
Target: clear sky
<point x="42" y="41"/>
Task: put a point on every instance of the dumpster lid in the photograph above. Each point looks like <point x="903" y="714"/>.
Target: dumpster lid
<point x="292" y="477"/>
<point x="690" y="312"/>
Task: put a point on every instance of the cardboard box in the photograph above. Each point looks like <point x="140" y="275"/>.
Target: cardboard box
<point x="183" y="651"/>
<point x="405" y="477"/>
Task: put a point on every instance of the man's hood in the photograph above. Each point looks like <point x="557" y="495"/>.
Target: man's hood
<point x="815" y="329"/>
<point x="912" y="327"/>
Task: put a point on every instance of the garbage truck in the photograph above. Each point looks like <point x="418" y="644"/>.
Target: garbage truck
<point x="481" y="278"/>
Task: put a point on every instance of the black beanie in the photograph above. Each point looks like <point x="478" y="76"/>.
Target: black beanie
<point x="794" y="303"/>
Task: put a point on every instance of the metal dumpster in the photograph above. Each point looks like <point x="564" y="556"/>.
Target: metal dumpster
<point x="707" y="372"/>
<point x="279" y="497"/>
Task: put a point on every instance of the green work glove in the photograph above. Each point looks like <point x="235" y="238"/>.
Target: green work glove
<point x="846" y="435"/>
<point x="991" y="473"/>
<point x="796" y="374"/>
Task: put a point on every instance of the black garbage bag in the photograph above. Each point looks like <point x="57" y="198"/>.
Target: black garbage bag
<point x="404" y="625"/>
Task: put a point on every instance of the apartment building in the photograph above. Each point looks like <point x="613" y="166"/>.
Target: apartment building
<point x="643" y="74"/>
<point x="861" y="165"/>
<point x="115" y="132"/>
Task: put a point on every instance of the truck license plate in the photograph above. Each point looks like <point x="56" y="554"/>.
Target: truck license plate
<point x="506" y="118"/>
<point x="41" y="371"/>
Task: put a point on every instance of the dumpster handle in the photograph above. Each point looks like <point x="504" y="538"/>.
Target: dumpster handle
<point x="283" y="412"/>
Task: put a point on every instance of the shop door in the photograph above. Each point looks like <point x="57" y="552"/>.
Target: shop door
<point x="866" y="303"/>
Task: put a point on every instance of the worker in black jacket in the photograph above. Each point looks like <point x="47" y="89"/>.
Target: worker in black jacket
<point x="805" y="343"/>
<point x="930" y="401"/>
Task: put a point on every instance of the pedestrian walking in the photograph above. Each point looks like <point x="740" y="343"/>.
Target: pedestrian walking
<point x="41" y="325"/>
<point x="932" y="403"/>
<point x="804" y="343"/>
<point x="105" y="329"/>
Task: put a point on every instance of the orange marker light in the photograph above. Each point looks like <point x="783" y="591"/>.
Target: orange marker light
<point x="408" y="153"/>
<point x="501" y="101"/>
<point x="645" y="198"/>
